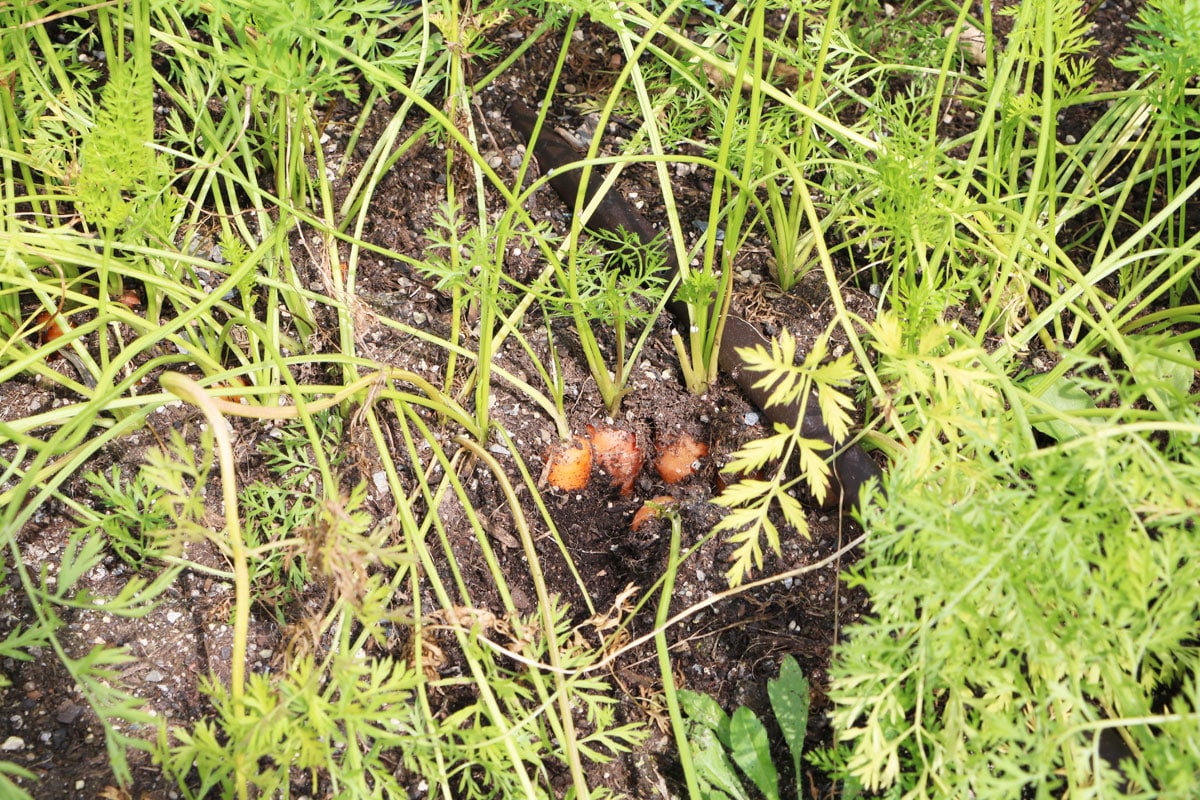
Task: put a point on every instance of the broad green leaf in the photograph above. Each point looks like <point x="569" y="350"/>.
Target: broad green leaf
<point x="713" y="766"/>
<point x="1066" y="396"/>
<point x="706" y="712"/>
<point x="1166" y="368"/>
<point x="790" y="702"/>
<point x="751" y="751"/>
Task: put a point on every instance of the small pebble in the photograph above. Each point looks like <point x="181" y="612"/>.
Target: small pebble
<point x="69" y="713"/>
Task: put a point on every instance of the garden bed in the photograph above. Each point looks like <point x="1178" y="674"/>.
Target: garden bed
<point x="340" y="259"/>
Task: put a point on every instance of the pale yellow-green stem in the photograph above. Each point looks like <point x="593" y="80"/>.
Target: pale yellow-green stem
<point x="187" y="389"/>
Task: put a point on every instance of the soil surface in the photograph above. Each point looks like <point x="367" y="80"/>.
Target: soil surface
<point x="727" y="650"/>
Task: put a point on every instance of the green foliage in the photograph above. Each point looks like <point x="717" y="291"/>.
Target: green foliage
<point x="936" y="382"/>
<point x="617" y="285"/>
<point x="468" y="262"/>
<point x="911" y="211"/>
<point x="1020" y="605"/>
<point x="134" y="520"/>
<point x="349" y="714"/>
<point x="10" y="789"/>
<point x="180" y="473"/>
<point x="790" y="700"/>
<point x="624" y="285"/>
<point x="458" y="254"/>
<point x="1054" y="33"/>
<point x="1165" y="54"/>
<point x="753" y="501"/>
<point x="98" y="674"/>
<point x="121" y="182"/>
<point x="281" y="512"/>
<point x="273" y="513"/>
<point x="300" y="48"/>
<point x="720" y="741"/>
<point x="785" y="223"/>
<point x="1167" y="45"/>
<point x="361" y="724"/>
<point x="304" y="720"/>
<point x="698" y="289"/>
<point x="1024" y="599"/>
<point x="217" y="136"/>
<point x="1065" y="395"/>
<point x="1164" y="367"/>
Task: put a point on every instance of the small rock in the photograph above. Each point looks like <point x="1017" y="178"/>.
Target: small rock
<point x="154" y="676"/>
<point x="12" y="744"/>
<point x="173" y="616"/>
<point x="69" y="713"/>
<point x="973" y="43"/>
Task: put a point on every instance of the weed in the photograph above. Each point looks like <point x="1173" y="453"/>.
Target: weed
<point x="720" y="741"/>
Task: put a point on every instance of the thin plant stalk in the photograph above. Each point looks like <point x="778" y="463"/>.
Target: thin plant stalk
<point x="188" y="390"/>
<point x="661" y="622"/>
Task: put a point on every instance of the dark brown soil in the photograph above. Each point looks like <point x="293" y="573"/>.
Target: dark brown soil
<point x="728" y="650"/>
